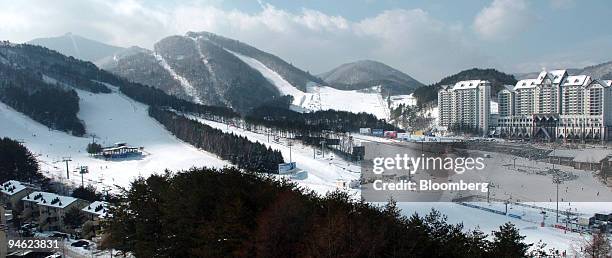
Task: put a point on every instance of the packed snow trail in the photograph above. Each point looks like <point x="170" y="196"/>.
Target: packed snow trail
<point x="189" y="89"/>
<point x="281" y="84"/>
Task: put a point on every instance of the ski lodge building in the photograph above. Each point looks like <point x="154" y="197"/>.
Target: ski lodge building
<point x="119" y="150"/>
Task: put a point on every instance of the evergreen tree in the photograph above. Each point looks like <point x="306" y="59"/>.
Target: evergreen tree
<point x="93" y="148"/>
<point x="228" y="213"/>
<point x="18" y="163"/>
<point x="507" y="242"/>
<point x="74" y="218"/>
<point x="87" y="193"/>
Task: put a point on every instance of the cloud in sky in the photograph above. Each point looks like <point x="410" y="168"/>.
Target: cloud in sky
<point x="412" y="40"/>
<point x="503" y="19"/>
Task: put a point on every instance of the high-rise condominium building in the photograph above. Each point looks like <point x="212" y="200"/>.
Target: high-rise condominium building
<point x="556" y="105"/>
<point x="465" y="106"/>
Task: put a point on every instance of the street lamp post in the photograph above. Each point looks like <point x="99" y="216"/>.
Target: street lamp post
<point x="557" y="180"/>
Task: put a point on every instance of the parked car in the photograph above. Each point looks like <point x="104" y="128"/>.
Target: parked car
<point x="60" y="235"/>
<point x="81" y="243"/>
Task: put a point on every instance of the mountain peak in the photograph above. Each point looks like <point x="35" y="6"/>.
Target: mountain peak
<point x="367" y="73"/>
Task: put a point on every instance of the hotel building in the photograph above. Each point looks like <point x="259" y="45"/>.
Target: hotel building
<point x="556" y="106"/>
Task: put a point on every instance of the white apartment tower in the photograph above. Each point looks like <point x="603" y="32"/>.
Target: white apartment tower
<point x="465" y="106"/>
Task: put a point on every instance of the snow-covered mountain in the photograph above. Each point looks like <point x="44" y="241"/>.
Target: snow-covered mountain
<point x="198" y="70"/>
<point x="600" y="71"/>
<point x="295" y="76"/>
<point x="78" y="47"/>
<point x="207" y="68"/>
<point x="320" y="97"/>
<point x="367" y="73"/>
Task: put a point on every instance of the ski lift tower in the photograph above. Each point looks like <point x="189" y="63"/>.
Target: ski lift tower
<point x="66" y="160"/>
<point x="83" y="170"/>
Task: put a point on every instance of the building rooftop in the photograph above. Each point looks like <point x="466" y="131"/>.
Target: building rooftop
<point x="99" y="208"/>
<point x="563" y="153"/>
<point x="49" y="199"/>
<point x="526" y="84"/>
<point x="592" y="155"/>
<point x="582" y="155"/>
<point x="12" y="187"/>
<point x="508" y="88"/>
<point x="470" y="84"/>
<point x="554" y="75"/>
<point x="576" y="80"/>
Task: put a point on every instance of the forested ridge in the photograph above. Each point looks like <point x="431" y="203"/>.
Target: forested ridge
<point x="51" y="105"/>
<point x="251" y="156"/>
<point x="156" y="97"/>
<point x="428" y="94"/>
<point x="228" y="213"/>
<point x="52" y="101"/>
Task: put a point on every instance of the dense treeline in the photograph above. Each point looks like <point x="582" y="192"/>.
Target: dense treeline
<point x="251" y="156"/>
<point x="226" y="213"/>
<point x="276" y="116"/>
<point x="18" y="163"/>
<point x="68" y="70"/>
<point x="156" y="97"/>
<point x="54" y="107"/>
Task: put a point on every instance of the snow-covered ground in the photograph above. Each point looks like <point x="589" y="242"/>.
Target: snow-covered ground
<point x="111" y="118"/>
<point x="407" y="100"/>
<point x="322" y="173"/>
<point x="485" y="221"/>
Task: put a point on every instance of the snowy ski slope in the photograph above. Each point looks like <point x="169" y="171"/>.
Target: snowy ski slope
<point x="322" y="97"/>
<point x="111" y="118"/>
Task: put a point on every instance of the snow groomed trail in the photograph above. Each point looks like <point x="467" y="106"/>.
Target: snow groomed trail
<point x="110" y="118"/>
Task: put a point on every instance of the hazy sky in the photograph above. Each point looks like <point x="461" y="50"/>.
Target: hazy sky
<point x="425" y="39"/>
